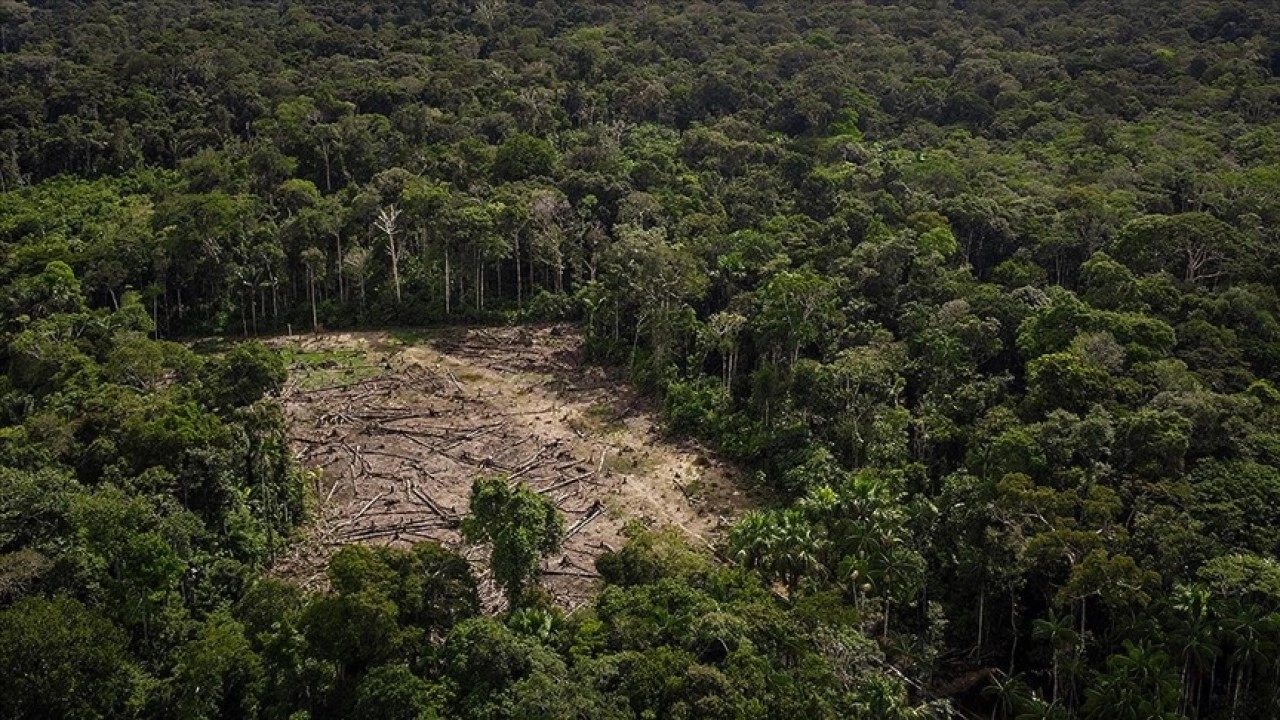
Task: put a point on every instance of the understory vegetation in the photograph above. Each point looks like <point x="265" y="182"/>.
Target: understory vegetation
<point x="985" y="293"/>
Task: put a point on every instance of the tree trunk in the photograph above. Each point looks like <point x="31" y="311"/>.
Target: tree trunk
<point x="982" y="612"/>
<point x="395" y="265"/>
<point x="1013" y="623"/>
<point x="1238" y="674"/>
<point x="1185" y="687"/>
<point x="448" y="307"/>
<point x="519" y="281"/>
<point x="1054" y="697"/>
<point x="342" y="286"/>
<point x="311" y="286"/>
<point x="328" y="175"/>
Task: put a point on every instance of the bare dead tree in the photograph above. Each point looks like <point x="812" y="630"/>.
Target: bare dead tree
<point x="386" y="223"/>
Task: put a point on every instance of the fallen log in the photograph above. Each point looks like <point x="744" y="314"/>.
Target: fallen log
<point x="368" y="505"/>
<point x="385" y="531"/>
<point x="571" y="573"/>
<point x="450" y="518"/>
<point x="456" y="383"/>
<point x="397" y="456"/>
<point x="597" y="509"/>
<point x="527" y="465"/>
<point x="557" y="486"/>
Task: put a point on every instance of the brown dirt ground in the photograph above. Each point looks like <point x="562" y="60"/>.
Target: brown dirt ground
<point x="397" y="430"/>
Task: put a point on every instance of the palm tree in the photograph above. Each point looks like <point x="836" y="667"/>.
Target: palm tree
<point x="1061" y="635"/>
<point x="855" y="573"/>
<point x="753" y="539"/>
<point x="1139" y="684"/>
<point x="1194" y="638"/>
<point x="781" y="545"/>
<point x="798" y="551"/>
<point x="1250" y="632"/>
<point x="1012" y="696"/>
<point x="899" y="569"/>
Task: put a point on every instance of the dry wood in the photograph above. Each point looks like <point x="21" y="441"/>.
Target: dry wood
<point x="597" y="509"/>
<point x="684" y="490"/>
<point x="332" y="490"/>
<point x="397" y="456"/>
<point x="450" y="517"/>
<point x="413" y="441"/>
<point x="541" y="411"/>
<point x="456" y="383"/>
<point x="388" y="530"/>
<point x="366" y="507"/>
<point x="420" y="535"/>
<point x="528" y="464"/>
<point x="559" y="485"/>
<point x="571" y="573"/>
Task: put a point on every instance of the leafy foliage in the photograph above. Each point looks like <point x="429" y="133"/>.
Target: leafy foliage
<point x="985" y="291"/>
<point x="522" y="527"/>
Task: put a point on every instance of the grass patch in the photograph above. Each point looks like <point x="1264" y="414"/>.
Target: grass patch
<point x="408" y="338"/>
<point x="600" y="411"/>
<point x="628" y="463"/>
<point x="598" y="418"/>
<point x="695" y="489"/>
<point x="312" y="370"/>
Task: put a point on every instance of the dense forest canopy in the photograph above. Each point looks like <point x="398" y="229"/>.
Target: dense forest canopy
<point x="984" y="290"/>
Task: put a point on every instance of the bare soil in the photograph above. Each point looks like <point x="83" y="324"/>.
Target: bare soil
<point x="397" y="427"/>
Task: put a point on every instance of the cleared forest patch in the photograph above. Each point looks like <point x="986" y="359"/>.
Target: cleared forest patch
<point x="397" y="425"/>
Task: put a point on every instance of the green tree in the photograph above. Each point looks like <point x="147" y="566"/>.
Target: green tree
<point x="795" y="309"/>
<point x="355" y="630"/>
<point x="246" y="374"/>
<point x="1066" y="381"/>
<point x="393" y="692"/>
<point x="432" y="587"/>
<point x="59" y="659"/>
<point x="781" y="545"/>
<point x="217" y="674"/>
<point x="1196" y="247"/>
<point x="521" y="526"/>
<point x="1139" y="684"/>
<point x="522" y="156"/>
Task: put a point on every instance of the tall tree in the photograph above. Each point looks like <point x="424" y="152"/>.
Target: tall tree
<point x="521" y="526"/>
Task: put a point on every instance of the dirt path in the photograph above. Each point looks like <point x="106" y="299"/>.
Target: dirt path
<point x="398" y="427"/>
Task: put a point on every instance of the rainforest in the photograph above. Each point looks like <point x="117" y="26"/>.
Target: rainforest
<point x="578" y="359"/>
